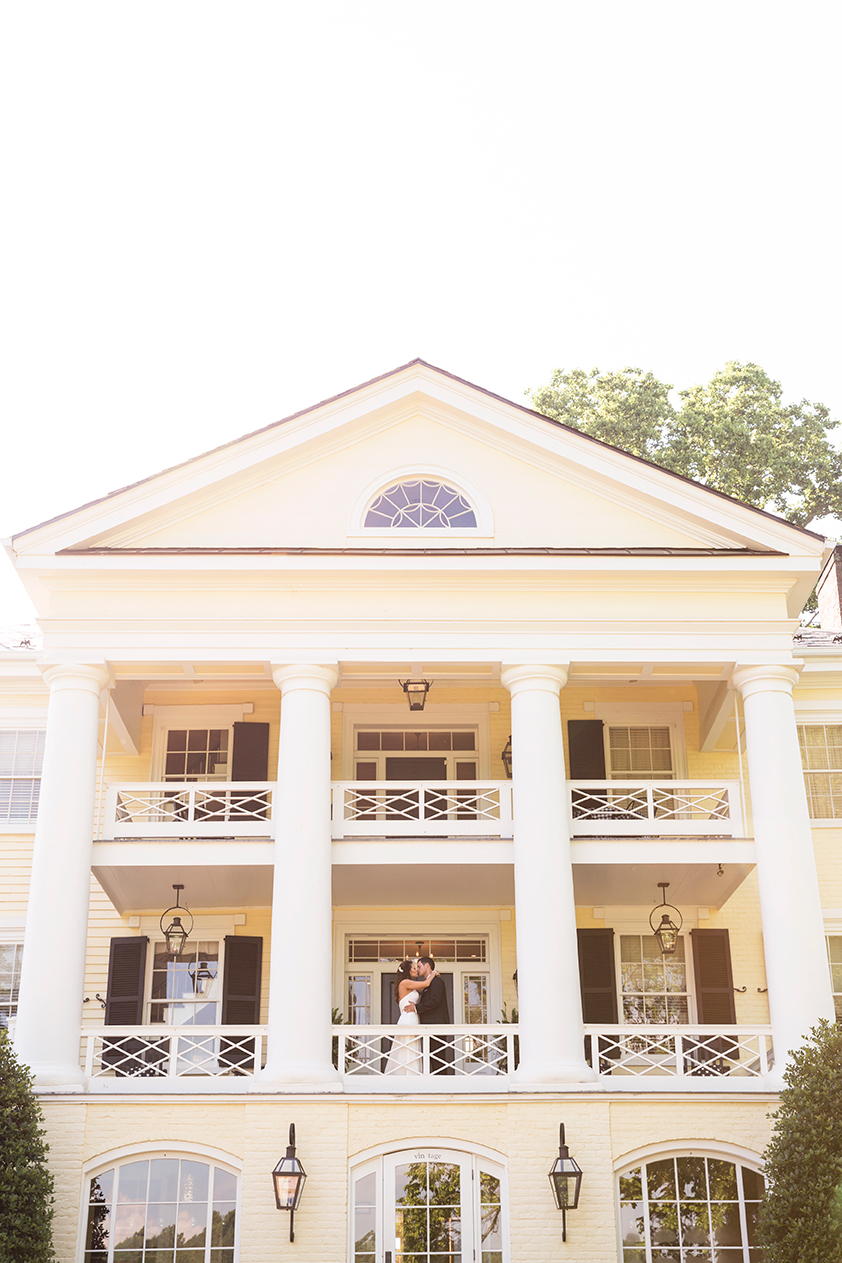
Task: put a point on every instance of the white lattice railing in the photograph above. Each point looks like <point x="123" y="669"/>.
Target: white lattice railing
<point x="457" y="1050"/>
<point x="656" y="808"/>
<point x="429" y="808"/>
<point x="680" y="1052"/>
<point x="172" y="1052"/>
<point x="200" y="809"/>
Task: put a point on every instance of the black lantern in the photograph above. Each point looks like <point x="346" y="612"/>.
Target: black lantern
<point x="202" y="978"/>
<point x="288" y="1180"/>
<point x="175" y="933"/>
<point x="667" y="932"/>
<point x="565" y="1181"/>
<point x="506" y="756"/>
<point x="416" y="692"/>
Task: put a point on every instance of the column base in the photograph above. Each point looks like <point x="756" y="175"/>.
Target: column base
<point x="297" y="1077"/>
<point x="531" y="1075"/>
<point x="54" y="1078"/>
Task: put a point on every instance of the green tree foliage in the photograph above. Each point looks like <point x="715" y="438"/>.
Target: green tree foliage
<point x="733" y="434"/>
<point x="26" y="1185"/>
<point x="801" y="1219"/>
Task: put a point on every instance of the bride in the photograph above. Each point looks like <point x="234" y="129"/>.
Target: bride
<point x="406" y="1056"/>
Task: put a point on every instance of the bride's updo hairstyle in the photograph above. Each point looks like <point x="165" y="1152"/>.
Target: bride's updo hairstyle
<point x="404" y="973"/>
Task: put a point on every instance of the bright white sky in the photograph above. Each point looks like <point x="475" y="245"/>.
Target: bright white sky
<point x="217" y="213"/>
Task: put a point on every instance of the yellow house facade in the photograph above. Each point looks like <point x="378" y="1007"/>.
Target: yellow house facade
<point x="417" y="673"/>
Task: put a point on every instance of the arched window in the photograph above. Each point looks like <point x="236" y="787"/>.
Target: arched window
<point x="690" y="1206"/>
<point x="422" y="504"/>
<point x="169" y="1209"/>
<point x="429" y="1204"/>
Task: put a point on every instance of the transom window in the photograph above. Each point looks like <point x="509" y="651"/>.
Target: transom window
<point x="420" y="503"/>
<point x="392" y="740"/>
<point x="162" y="1210"/>
<point x="21" y="756"/>
<point x="691" y="1207"/>
<point x="821" y="758"/>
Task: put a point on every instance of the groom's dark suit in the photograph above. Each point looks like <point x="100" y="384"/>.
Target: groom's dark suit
<point x="433" y="1011"/>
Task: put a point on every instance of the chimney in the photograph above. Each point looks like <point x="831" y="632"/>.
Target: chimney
<point x="829" y="592"/>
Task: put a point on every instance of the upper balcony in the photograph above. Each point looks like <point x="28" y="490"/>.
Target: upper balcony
<point x="427" y="809"/>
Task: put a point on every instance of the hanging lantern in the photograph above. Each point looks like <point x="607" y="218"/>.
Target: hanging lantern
<point x="416" y="692"/>
<point x="667" y="932"/>
<point x="175" y="932"/>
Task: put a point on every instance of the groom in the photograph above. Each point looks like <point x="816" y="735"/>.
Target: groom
<point x="433" y="1011"/>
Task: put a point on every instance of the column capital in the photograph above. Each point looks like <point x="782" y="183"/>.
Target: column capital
<point x="85" y="677"/>
<point x="773" y="678"/>
<point x="294" y="676"/>
<point x="522" y="679"/>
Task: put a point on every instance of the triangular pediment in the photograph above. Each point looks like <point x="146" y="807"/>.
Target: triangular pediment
<point x="304" y="483"/>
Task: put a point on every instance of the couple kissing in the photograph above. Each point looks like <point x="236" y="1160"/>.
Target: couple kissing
<point x="422" y="999"/>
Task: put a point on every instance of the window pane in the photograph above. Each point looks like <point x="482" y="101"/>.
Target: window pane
<point x="368" y="740"/>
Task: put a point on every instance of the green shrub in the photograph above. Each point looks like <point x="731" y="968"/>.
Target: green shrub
<point x="801" y="1218"/>
<point x="26" y="1185"/>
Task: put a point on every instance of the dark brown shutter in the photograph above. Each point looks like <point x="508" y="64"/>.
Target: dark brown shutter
<point x="241" y="980"/>
<point x="714" y="980"/>
<point x="250" y="756"/>
<point x="586" y="748"/>
<point x="126" y="977"/>
<point x="596" y="976"/>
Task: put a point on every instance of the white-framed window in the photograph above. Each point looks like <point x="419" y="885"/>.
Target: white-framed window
<point x="161" y="1208"/>
<point x="21" y="757"/>
<point x="194" y="743"/>
<point x="834" y="960"/>
<point x="821" y="759"/>
<point x="185" y="990"/>
<point x="420" y="503"/>
<point x="653" y="988"/>
<point x="689" y="1206"/>
<point x="11" y="955"/>
<point x="639" y="752"/>
<point x="430" y="1203"/>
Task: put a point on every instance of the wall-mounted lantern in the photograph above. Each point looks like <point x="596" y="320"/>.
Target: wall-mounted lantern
<point x="565" y="1181"/>
<point x="416" y="692"/>
<point x="288" y="1181"/>
<point x="506" y="756"/>
<point x="667" y="932"/>
<point x="175" y="933"/>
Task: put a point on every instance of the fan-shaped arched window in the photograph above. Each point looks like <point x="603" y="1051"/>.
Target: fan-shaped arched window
<point x="420" y="503"/>
<point x="690" y="1207"/>
<point x="164" y="1208"/>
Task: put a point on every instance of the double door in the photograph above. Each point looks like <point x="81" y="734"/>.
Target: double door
<point x="428" y="1205"/>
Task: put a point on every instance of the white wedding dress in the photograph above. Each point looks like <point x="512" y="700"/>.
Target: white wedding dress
<point x="405" y="1056"/>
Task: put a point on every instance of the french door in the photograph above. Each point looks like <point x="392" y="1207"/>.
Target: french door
<point x="428" y="1205"/>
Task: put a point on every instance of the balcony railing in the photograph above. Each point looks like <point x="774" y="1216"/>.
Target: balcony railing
<point x="172" y="1052"/>
<point x="429" y="808"/>
<point x="679" y="1052"/>
<point x="656" y="808"/>
<point x="454" y="1058"/>
<point x="157" y="809"/>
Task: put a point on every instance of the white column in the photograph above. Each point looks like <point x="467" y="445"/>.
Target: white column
<point x="549" y="999"/>
<point x="52" y="982"/>
<point x="300" y="981"/>
<point x="793" y="932"/>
